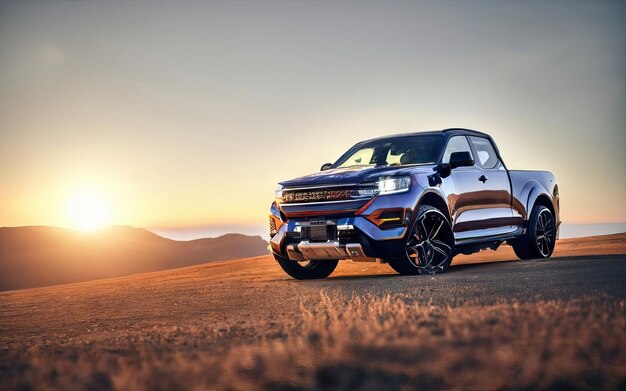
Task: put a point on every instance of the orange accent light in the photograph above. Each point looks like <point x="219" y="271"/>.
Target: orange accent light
<point x="387" y="217"/>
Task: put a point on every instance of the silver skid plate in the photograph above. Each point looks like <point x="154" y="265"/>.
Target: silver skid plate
<point x="327" y="250"/>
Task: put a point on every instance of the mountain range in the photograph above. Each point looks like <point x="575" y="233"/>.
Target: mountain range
<point x="39" y="256"/>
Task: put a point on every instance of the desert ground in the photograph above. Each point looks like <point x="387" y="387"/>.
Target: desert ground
<point x="490" y="322"/>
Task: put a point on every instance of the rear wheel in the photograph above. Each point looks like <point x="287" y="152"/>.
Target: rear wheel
<point x="428" y="246"/>
<point x="540" y="235"/>
<point x="307" y="270"/>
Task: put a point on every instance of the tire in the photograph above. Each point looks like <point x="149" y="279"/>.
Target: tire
<point x="540" y="237"/>
<point x="428" y="245"/>
<point x="307" y="270"/>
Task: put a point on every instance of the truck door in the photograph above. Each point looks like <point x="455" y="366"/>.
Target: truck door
<point x="480" y="197"/>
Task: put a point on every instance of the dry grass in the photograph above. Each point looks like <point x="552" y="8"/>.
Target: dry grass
<point x="244" y="325"/>
<point x="356" y="343"/>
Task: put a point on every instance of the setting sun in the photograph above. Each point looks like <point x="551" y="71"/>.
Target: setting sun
<point x="88" y="210"/>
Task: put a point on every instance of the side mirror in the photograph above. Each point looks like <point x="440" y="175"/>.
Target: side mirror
<point x="326" y="166"/>
<point x="461" y="159"/>
<point x="443" y="169"/>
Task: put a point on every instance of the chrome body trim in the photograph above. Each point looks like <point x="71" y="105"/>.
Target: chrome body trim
<point x="484" y="233"/>
<point x="491" y="238"/>
<point x="315" y="187"/>
<point x="367" y="198"/>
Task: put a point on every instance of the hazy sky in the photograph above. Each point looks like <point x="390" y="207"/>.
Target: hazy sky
<point x="185" y="114"/>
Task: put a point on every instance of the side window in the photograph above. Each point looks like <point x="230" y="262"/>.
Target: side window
<point x="455" y="144"/>
<point x="485" y="153"/>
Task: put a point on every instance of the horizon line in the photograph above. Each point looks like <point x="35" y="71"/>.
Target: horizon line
<point x="572" y="230"/>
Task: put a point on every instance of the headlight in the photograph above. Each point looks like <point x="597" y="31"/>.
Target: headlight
<point x="394" y="185"/>
<point x="279" y="191"/>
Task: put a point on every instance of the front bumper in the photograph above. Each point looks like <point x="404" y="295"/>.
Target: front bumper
<point x="357" y="239"/>
<point x="364" y="234"/>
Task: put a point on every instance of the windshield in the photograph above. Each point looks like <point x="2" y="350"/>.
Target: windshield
<point x="397" y="151"/>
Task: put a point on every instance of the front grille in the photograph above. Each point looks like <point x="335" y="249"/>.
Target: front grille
<point x="316" y="195"/>
<point x="322" y="195"/>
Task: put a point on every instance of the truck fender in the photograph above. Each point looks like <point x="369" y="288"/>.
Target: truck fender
<point x="528" y="196"/>
<point x="434" y="192"/>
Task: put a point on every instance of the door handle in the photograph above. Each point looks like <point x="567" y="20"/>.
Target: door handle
<point x="483" y="178"/>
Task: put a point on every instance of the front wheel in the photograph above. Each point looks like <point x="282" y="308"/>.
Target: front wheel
<point x="540" y="235"/>
<point x="307" y="270"/>
<point x="429" y="244"/>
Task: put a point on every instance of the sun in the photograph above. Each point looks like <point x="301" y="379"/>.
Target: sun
<point x="88" y="210"/>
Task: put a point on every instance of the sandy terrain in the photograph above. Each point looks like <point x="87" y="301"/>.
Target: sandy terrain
<point x="243" y="324"/>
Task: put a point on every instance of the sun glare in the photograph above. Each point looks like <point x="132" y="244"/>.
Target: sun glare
<point x="88" y="211"/>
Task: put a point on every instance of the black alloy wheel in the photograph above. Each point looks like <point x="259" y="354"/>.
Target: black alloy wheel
<point x="540" y="237"/>
<point x="545" y="233"/>
<point x="429" y="245"/>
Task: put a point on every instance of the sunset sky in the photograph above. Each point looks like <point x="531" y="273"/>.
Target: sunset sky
<point x="181" y="117"/>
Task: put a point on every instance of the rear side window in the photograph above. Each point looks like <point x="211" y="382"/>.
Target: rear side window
<point x="456" y="144"/>
<point x="485" y="154"/>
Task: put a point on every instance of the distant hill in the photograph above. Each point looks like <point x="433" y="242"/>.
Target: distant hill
<point x="40" y="256"/>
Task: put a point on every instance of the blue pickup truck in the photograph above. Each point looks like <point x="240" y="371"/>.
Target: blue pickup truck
<point x="414" y="201"/>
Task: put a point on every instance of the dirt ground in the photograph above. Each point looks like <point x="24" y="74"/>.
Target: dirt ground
<point x="488" y="323"/>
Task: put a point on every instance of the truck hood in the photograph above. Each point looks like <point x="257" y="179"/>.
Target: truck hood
<point x="352" y="175"/>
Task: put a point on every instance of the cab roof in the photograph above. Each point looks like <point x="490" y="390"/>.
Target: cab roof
<point x="447" y="132"/>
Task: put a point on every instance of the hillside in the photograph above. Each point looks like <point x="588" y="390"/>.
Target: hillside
<point x="245" y="325"/>
<point x="40" y="256"/>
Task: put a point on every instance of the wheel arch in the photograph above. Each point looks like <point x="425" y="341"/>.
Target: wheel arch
<point x="436" y="200"/>
<point x="540" y="196"/>
<point x="544" y="200"/>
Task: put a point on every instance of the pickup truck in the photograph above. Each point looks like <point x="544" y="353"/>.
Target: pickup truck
<point x="413" y="201"/>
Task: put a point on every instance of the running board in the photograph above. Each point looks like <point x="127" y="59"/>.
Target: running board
<point x="493" y="238"/>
